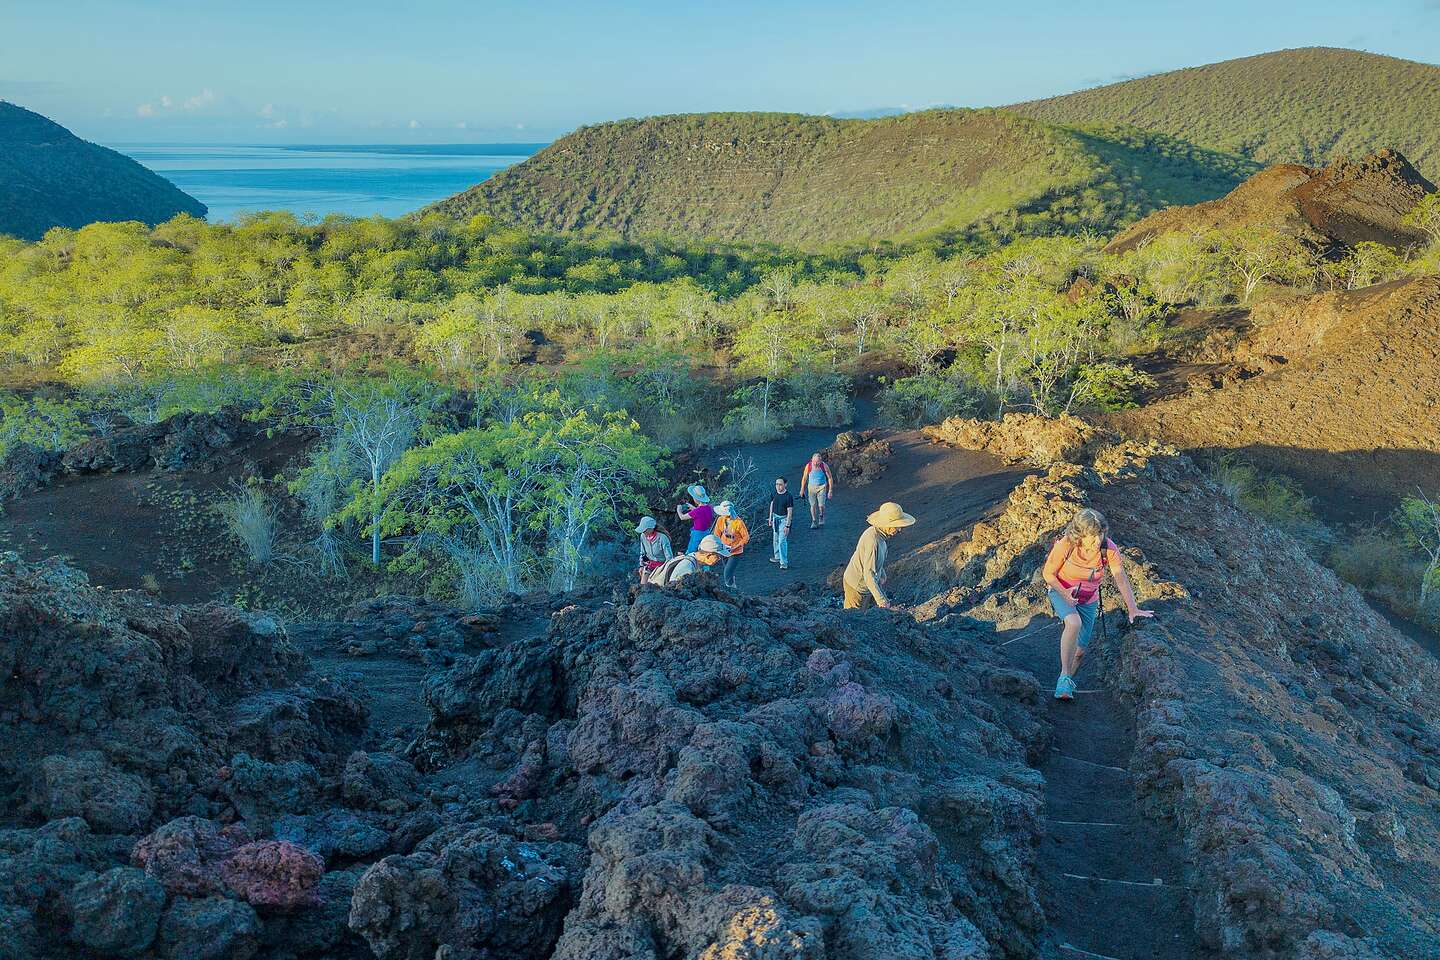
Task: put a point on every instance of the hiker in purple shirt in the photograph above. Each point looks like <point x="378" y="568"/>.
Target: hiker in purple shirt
<point x="700" y="514"/>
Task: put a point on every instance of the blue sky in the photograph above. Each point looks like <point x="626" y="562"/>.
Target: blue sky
<point x="442" y="71"/>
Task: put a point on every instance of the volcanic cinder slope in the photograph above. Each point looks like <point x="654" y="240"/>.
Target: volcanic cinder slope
<point x="813" y="181"/>
<point x="1341" y="205"/>
<point x="51" y="178"/>
<point x="1339" y="389"/>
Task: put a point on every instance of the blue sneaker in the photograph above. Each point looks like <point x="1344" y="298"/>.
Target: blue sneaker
<point x="1064" y="688"/>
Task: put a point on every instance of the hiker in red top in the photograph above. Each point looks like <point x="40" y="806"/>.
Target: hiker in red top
<point x="817" y="483"/>
<point x="1074" y="571"/>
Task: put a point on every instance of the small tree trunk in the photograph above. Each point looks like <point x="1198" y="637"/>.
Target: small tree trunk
<point x="375" y="517"/>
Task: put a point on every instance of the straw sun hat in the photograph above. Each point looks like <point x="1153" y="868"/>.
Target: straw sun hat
<point x="890" y="515"/>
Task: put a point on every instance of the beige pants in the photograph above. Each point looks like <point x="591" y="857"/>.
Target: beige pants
<point x="856" y="599"/>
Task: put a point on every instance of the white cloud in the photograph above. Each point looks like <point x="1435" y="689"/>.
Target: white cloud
<point x="414" y="124"/>
<point x="201" y="100"/>
<point x="268" y="110"/>
<point x="145" y="110"/>
<point x="461" y="125"/>
<point x="166" y="102"/>
<point x="519" y="126"/>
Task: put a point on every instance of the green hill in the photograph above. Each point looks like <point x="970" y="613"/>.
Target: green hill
<point x="811" y="181"/>
<point x="1294" y="106"/>
<point x="51" y="178"/>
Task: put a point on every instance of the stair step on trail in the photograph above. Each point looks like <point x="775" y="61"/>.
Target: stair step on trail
<point x="1113" y="881"/>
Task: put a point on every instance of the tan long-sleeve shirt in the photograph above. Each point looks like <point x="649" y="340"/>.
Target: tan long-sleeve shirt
<point x="867" y="565"/>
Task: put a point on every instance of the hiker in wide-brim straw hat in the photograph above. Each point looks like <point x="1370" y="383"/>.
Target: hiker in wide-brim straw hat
<point x="865" y="574"/>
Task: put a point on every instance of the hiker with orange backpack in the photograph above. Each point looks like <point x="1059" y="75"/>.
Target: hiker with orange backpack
<point x="1074" y="572"/>
<point x="733" y="534"/>
<point x="817" y="485"/>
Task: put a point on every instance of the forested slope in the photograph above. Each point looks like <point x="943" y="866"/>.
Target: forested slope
<point x="819" y="181"/>
<point x="51" y="178"/>
<point x="1292" y="106"/>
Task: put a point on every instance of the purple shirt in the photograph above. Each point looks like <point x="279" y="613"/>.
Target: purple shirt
<point x="702" y="517"/>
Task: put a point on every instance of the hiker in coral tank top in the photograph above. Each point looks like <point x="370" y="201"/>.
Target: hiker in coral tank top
<point x="1074" y="571"/>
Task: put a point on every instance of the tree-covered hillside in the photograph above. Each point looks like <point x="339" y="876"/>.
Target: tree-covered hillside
<point x="1299" y="106"/>
<point x="809" y="181"/>
<point x="51" y="178"/>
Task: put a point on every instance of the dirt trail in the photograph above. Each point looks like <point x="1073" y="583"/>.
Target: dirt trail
<point x="1113" y="880"/>
<point x="946" y="489"/>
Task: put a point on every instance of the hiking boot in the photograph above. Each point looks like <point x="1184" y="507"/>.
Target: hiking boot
<point x="1064" y="688"/>
<point x="813" y="524"/>
<point x="784" y="566"/>
<point x="774" y="559"/>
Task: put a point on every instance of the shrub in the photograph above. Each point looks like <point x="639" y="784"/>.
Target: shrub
<point x="1278" y="499"/>
<point x="1377" y="562"/>
<point x="253" y="521"/>
<point x="42" y="423"/>
<point x="817" y="400"/>
<point x="738" y="480"/>
<point x="1109" y="386"/>
<point x="928" y="398"/>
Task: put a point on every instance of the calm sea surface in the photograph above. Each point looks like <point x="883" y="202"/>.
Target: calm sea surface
<point x="320" y="179"/>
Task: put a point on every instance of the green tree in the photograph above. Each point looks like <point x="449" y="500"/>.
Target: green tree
<point x="374" y="421"/>
<point x="1419" y="522"/>
<point x="1255" y="254"/>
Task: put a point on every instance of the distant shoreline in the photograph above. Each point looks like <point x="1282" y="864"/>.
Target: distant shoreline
<point x="317" y="180"/>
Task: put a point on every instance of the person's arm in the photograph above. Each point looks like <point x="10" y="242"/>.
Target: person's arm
<point x="744" y="537"/>
<point x="829" y="482"/>
<point x="772" y="511"/>
<point x="1117" y="570"/>
<point x="1053" y="563"/>
<point x="683" y="510"/>
<point x="665" y="546"/>
<point x="790" y="513"/>
<point x="868" y="561"/>
<point x="804" y="478"/>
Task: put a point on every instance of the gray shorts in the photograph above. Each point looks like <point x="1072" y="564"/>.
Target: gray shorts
<point x="816" y="496"/>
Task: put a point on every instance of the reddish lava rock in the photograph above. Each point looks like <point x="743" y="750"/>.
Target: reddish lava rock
<point x="274" y="873"/>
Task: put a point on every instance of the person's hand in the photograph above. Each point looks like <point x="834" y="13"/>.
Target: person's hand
<point x="883" y="604"/>
<point x="1137" y="614"/>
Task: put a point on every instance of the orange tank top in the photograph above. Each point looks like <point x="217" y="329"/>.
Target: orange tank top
<point x="1076" y="570"/>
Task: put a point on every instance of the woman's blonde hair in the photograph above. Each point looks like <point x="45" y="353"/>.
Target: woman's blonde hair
<point x="1087" y="523"/>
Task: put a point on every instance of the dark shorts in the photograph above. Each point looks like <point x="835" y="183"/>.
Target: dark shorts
<point x="1064" y="606"/>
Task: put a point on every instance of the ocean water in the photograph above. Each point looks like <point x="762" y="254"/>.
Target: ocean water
<point x="315" y="180"/>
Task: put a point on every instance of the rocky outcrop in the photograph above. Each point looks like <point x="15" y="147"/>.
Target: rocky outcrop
<point x="1282" y="724"/>
<point x="761" y="778"/>
<point x="1332" y="207"/>
<point x="145" y="736"/>
<point x="1022" y="437"/>
<point x="858" y="457"/>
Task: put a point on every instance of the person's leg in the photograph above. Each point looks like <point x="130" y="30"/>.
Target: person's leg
<point x="812" y="497"/>
<point x="1069" y="635"/>
<point x="695" y="537"/>
<point x="820" y="500"/>
<point x="1086" y="612"/>
<point x="854" y="599"/>
<point x="782" y="543"/>
<point x="731" y="562"/>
